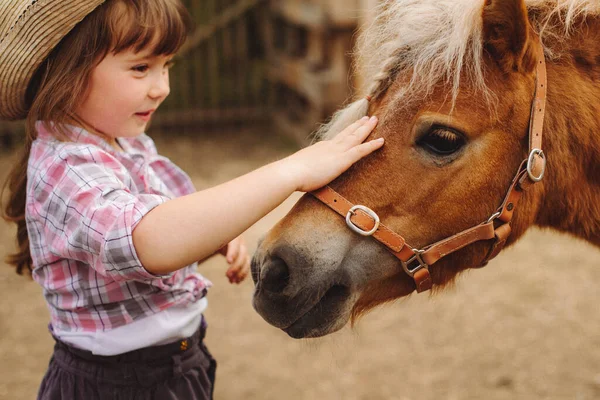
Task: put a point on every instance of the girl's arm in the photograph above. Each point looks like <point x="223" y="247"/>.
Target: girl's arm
<point x="191" y="228"/>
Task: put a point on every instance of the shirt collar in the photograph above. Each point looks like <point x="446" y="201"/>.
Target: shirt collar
<point x="80" y="135"/>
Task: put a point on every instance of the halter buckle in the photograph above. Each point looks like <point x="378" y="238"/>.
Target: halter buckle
<point x="357" y="229"/>
<point x="494" y="216"/>
<point x="530" y="162"/>
<point x="411" y="271"/>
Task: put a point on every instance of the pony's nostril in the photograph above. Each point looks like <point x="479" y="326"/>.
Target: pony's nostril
<point x="275" y="275"/>
<point x="255" y="269"/>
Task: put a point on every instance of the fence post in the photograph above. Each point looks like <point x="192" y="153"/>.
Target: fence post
<point x="310" y="61"/>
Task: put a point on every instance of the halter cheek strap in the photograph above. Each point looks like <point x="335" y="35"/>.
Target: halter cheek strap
<point x="415" y="262"/>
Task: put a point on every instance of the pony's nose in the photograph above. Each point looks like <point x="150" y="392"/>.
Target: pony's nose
<point x="274" y="275"/>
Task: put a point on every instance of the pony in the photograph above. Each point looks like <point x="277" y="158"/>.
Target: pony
<point x="459" y="87"/>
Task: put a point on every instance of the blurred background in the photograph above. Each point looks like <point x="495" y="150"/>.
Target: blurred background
<point x="255" y="78"/>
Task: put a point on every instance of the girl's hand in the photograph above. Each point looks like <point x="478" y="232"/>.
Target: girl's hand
<point x="236" y="254"/>
<point x="315" y="166"/>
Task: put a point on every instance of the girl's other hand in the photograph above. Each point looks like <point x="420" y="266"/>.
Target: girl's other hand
<point x="236" y="254"/>
<point x="315" y="166"/>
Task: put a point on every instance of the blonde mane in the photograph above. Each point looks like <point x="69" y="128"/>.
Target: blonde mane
<point x="440" y="40"/>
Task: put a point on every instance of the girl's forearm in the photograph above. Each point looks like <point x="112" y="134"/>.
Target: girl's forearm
<point x="191" y="228"/>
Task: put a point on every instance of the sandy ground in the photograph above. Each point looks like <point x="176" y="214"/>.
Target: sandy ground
<point x="525" y="327"/>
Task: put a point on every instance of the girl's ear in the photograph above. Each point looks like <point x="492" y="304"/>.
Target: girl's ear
<point x="507" y="35"/>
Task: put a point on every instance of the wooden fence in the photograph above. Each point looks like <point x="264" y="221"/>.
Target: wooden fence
<point x="286" y="62"/>
<point x="219" y="75"/>
<point x="310" y="60"/>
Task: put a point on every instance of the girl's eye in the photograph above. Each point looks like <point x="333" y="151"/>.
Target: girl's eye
<point x="441" y="141"/>
<point x="140" y="68"/>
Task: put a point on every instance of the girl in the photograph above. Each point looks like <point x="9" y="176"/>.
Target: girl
<point x="111" y="230"/>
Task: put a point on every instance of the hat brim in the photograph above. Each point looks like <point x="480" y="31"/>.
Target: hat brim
<point x="26" y="42"/>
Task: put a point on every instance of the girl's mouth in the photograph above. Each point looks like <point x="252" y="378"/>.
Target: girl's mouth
<point x="145" y="116"/>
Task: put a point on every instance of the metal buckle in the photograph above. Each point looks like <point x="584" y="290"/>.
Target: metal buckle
<point x="494" y="216"/>
<point x="541" y="154"/>
<point x="370" y="213"/>
<point x="417" y="257"/>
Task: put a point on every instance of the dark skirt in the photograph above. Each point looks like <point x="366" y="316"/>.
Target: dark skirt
<point x="178" y="371"/>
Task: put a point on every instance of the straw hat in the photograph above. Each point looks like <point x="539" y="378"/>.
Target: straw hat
<point x="29" y="30"/>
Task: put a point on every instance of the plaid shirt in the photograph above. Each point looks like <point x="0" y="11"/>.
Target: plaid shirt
<point x="84" y="199"/>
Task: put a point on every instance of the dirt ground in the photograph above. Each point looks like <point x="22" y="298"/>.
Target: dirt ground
<point x="525" y="327"/>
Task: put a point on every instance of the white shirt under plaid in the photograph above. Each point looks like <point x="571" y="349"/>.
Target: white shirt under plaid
<point x="84" y="199"/>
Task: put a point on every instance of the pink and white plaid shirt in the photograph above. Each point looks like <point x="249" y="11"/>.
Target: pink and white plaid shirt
<point x="84" y="199"/>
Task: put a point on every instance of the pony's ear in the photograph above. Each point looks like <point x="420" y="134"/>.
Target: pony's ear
<point x="507" y="35"/>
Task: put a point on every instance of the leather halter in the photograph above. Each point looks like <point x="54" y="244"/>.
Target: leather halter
<point x="416" y="262"/>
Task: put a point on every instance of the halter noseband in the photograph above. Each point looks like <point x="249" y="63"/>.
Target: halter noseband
<point x="416" y="262"/>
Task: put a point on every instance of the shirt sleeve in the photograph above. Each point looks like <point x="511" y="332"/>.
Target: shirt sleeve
<point x="88" y="213"/>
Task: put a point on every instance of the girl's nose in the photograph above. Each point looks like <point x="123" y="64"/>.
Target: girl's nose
<point x="160" y="88"/>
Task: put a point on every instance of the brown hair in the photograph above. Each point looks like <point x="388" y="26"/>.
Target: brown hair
<point x="61" y="81"/>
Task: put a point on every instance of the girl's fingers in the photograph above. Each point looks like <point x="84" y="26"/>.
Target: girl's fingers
<point x="351" y="129"/>
<point x="238" y="273"/>
<point x="244" y="271"/>
<point x="361" y="133"/>
<point x="240" y="260"/>
<point x="364" y="149"/>
<point x="317" y="165"/>
<point x="232" y="274"/>
<point x="246" y="267"/>
<point x="242" y="257"/>
<point x="233" y="251"/>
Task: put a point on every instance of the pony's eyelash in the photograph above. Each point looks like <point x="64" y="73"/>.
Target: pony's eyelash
<point x="446" y="134"/>
<point x="441" y="141"/>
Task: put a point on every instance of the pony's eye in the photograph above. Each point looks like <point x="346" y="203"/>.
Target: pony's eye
<point x="441" y="141"/>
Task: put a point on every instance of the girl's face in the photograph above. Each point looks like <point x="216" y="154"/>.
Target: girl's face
<point x="125" y="90"/>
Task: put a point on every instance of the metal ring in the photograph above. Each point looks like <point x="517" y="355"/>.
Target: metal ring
<point x="358" y="230"/>
<point x="416" y="257"/>
<point x="541" y="154"/>
<point x="493" y="217"/>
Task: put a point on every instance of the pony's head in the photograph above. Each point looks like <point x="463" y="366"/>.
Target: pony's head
<point x="452" y="83"/>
